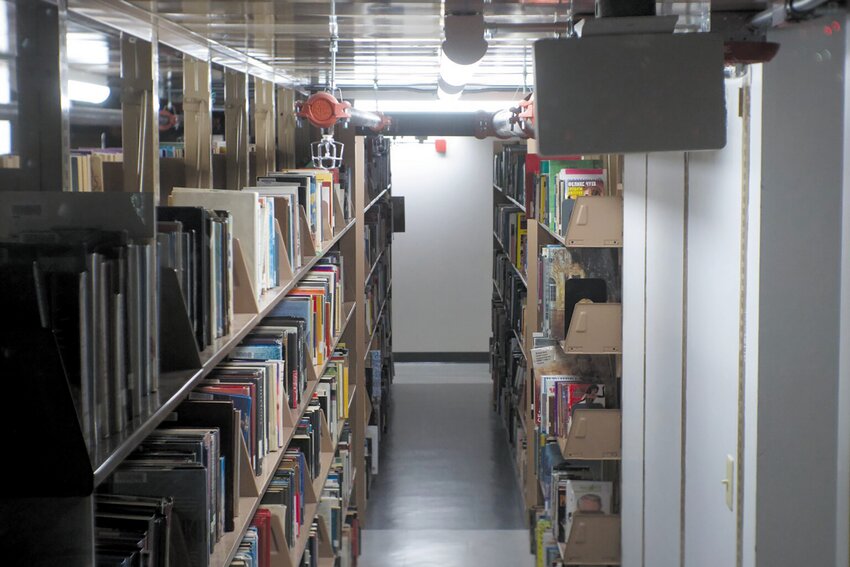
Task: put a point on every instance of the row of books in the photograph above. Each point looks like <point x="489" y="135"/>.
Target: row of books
<point x="93" y="289"/>
<point x="286" y="499"/>
<point x="334" y="499"/>
<point x="378" y="168"/>
<point x="377" y="294"/>
<point x="87" y="168"/>
<point x="509" y="170"/>
<point x="510" y="291"/>
<point x="570" y="275"/>
<point x="318" y="301"/>
<point x="187" y="466"/>
<point x="197" y="243"/>
<point x="316" y="190"/>
<point x="558" y="183"/>
<point x="135" y="530"/>
<point x="255" y="548"/>
<point x="10" y="161"/>
<point x="378" y="380"/>
<point x="378" y="231"/>
<point x="560" y="396"/>
<point x="252" y="220"/>
<point x="172" y="150"/>
<point x="333" y="390"/>
<point x="195" y="468"/>
<point x="510" y="227"/>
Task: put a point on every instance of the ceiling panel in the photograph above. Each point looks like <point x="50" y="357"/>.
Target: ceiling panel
<point x="389" y="43"/>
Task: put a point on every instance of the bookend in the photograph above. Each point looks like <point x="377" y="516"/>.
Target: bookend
<point x="595" y="328"/>
<point x="347" y="246"/>
<point x="325" y="544"/>
<point x="284" y="268"/>
<point x="244" y="296"/>
<point x="595" y="434"/>
<point x="594" y="540"/>
<point x="308" y="244"/>
<point x="297" y="547"/>
<point x="41" y="408"/>
<point x="327" y="444"/>
<point x="247" y="481"/>
<point x="339" y="215"/>
<point x="47" y="531"/>
<point x="177" y="346"/>
<point x="327" y="231"/>
<point x="594" y="222"/>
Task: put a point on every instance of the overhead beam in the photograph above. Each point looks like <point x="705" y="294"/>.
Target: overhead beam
<point x="197" y="122"/>
<point x="264" y="126"/>
<point x="140" y="107"/>
<point x="41" y="128"/>
<point x="236" y="128"/>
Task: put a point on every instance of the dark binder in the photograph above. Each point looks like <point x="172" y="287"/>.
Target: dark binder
<point x="577" y="289"/>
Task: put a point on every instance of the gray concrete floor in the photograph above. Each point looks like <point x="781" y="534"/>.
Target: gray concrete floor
<point x="446" y="494"/>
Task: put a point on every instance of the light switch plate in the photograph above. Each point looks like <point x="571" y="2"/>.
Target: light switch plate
<point x="729" y="481"/>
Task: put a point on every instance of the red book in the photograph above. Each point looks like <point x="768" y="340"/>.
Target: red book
<point x="263" y="522"/>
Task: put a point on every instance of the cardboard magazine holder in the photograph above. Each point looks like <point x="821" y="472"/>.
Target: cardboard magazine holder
<point x="594" y="540"/>
<point x="244" y="297"/>
<point x="595" y="222"/>
<point x="595" y="328"/>
<point x="595" y="434"/>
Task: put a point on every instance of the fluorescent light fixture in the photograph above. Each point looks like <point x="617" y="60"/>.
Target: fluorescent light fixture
<point x="388" y="106"/>
<point x="456" y="74"/>
<point x="87" y="48"/>
<point x="461" y="52"/>
<point x="5" y="82"/>
<point x="5" y="137"/>
<point x="448" y="91"/>
<point x="80" y="91"/>
<point x="443" y="94"/>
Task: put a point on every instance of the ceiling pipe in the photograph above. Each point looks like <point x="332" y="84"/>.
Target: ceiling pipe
<point x="780" y="13"/>
<point x="505" y="124"/>
<point x="323" y="110"/>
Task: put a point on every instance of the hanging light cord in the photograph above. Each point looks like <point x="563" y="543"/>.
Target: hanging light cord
<point x="334" y="47"/>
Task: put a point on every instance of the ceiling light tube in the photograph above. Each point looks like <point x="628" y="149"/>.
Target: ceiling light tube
<point x="460" y="53"/>
<point x="453" y="73"/>
<point x="445" y="91"/>
<point x="91" y="93"/>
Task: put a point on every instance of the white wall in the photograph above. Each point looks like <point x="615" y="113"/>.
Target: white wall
<point x="682" y="347"/>
<point x="714" y="344"/>
<point x="442" y="281"/>
<point x="653" y="295"/>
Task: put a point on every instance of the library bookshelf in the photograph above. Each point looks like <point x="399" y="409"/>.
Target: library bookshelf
<point x="525" y="230"/>
<point x="49" y="507"/>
